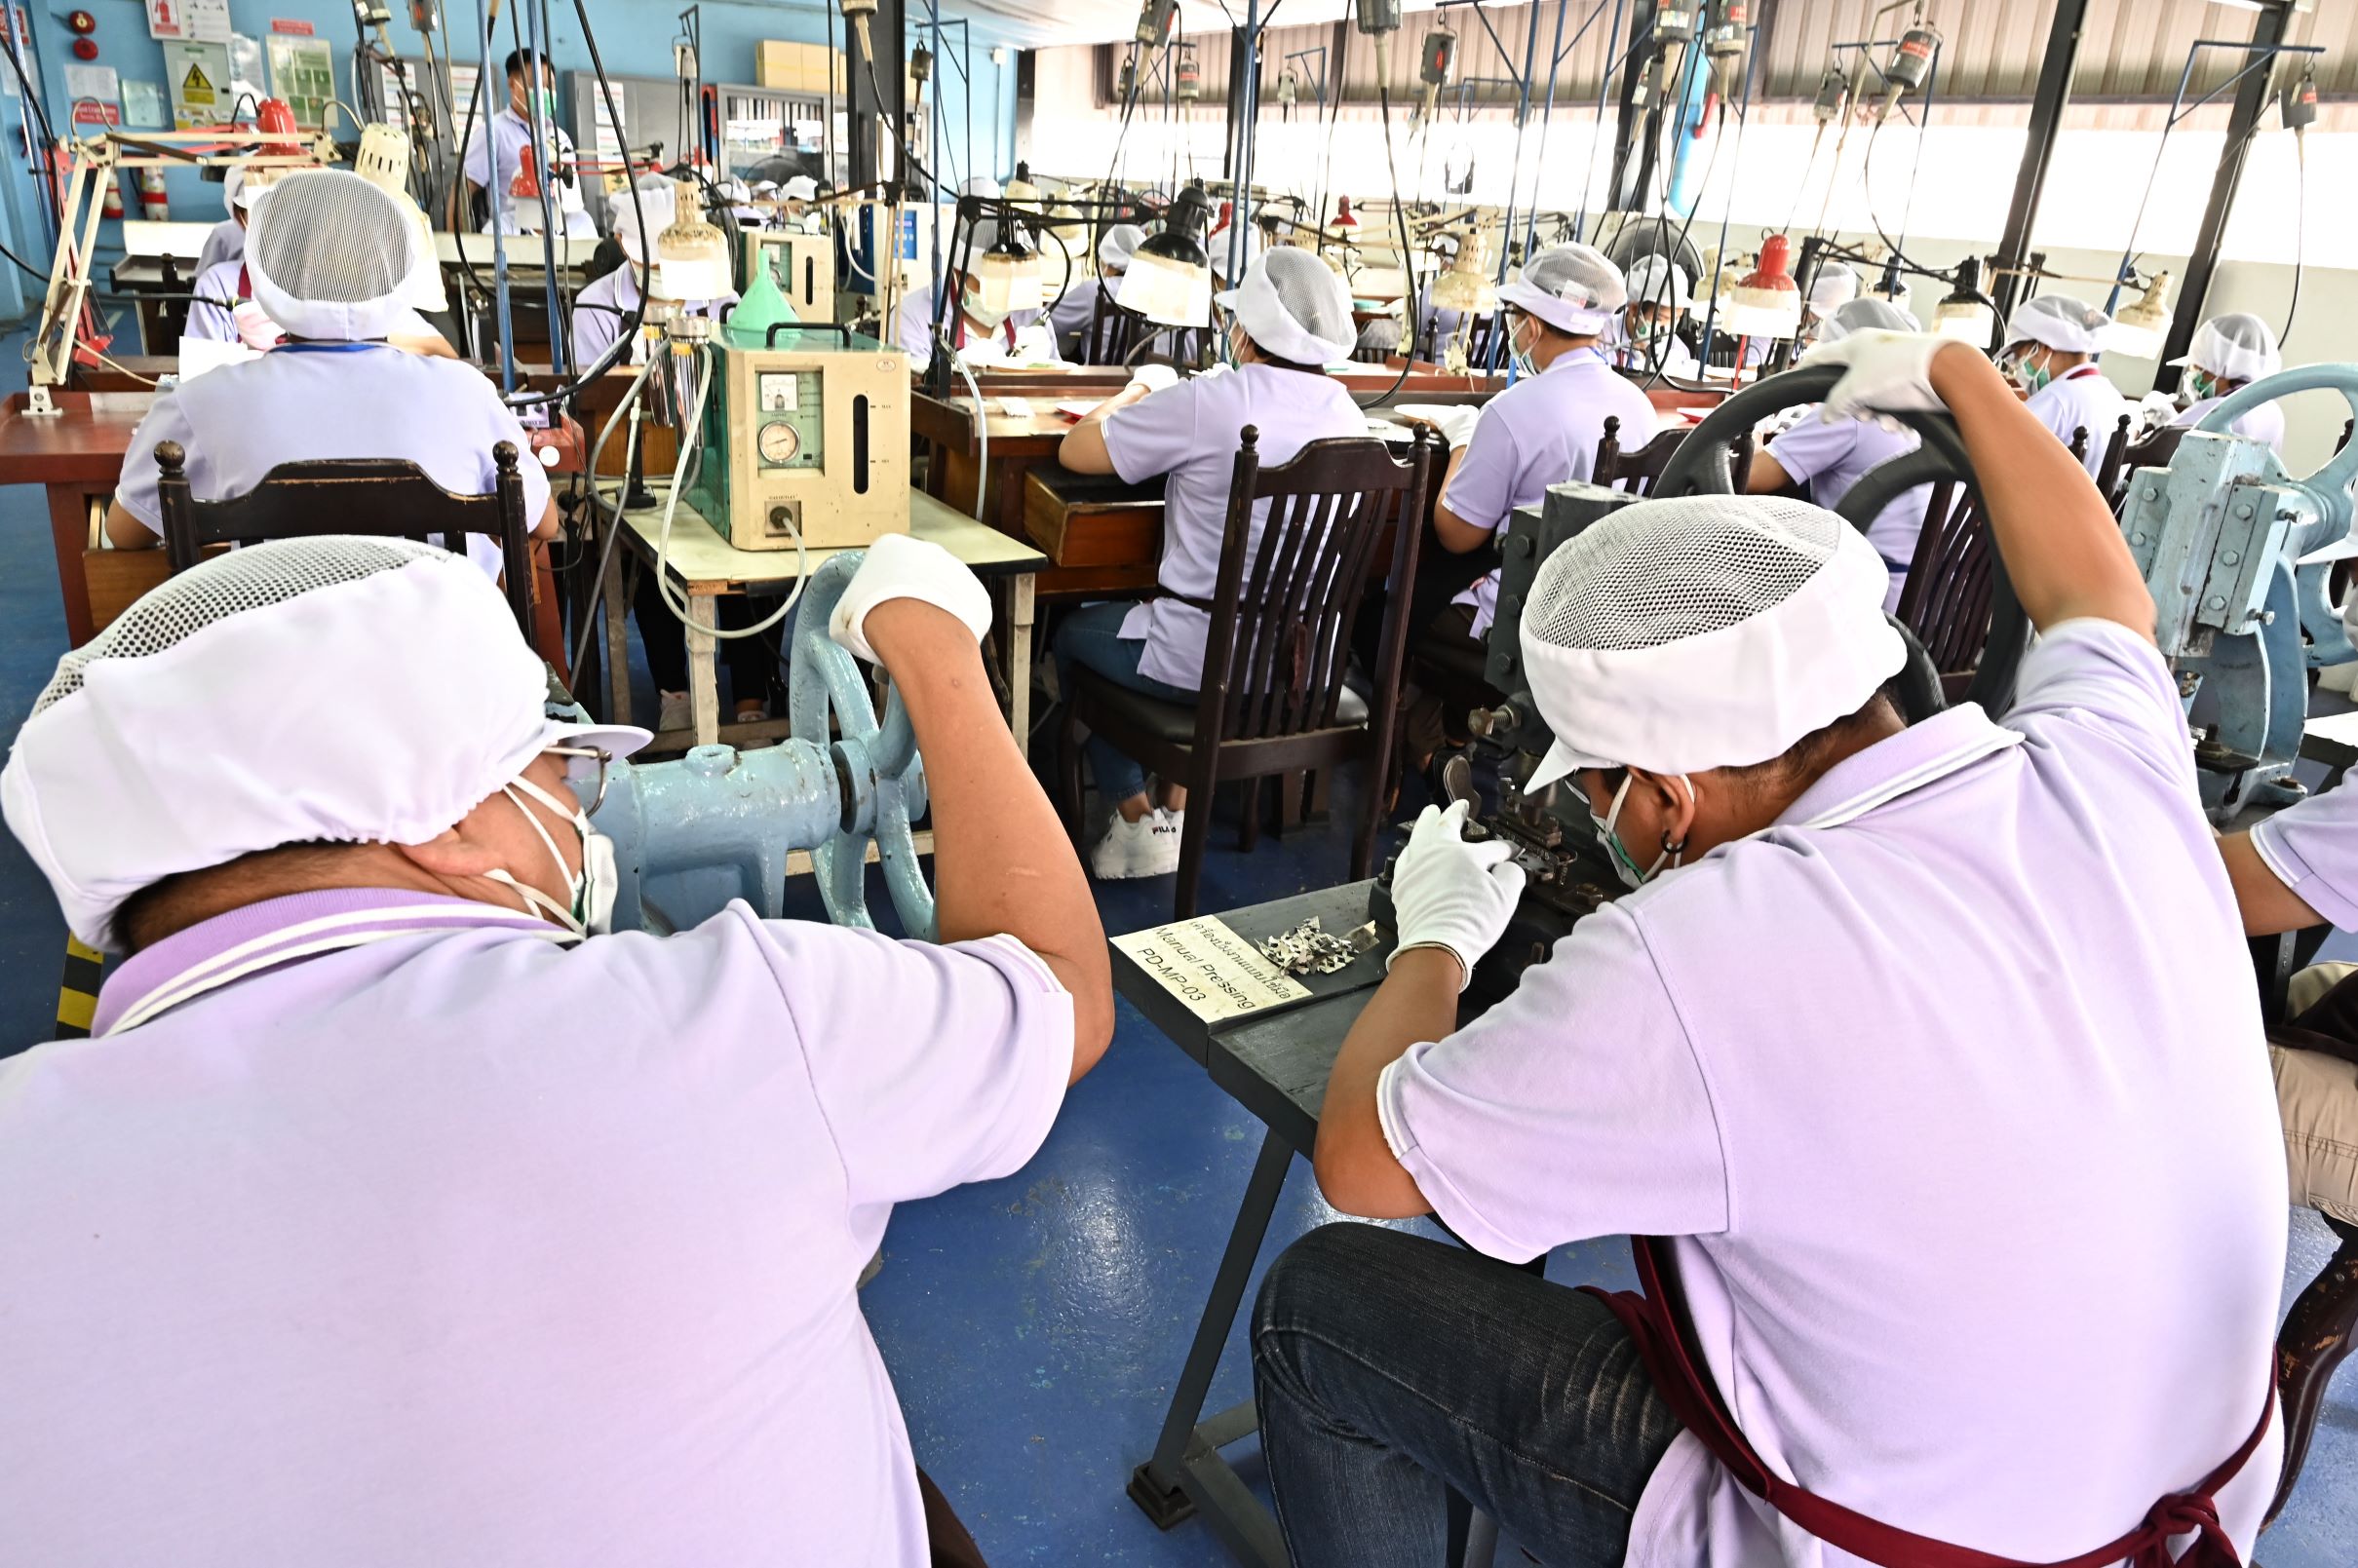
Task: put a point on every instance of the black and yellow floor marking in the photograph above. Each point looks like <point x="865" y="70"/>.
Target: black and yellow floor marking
<point x="78" y="991"/>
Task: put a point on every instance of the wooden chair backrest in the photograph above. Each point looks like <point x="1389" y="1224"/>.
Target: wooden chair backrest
<point x="1636" y="472"/>
<point x="1282" y="612"/>
<point x="385" y="497"/>
<point x="2116" y="451"/>
<point x="1946" y="598"/>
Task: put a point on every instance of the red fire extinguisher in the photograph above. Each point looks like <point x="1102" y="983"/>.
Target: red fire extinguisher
<point x="113" y="207"/>
<point x="151" y="196"/>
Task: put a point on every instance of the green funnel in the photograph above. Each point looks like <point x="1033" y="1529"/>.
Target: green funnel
<point x="763" y="306"/>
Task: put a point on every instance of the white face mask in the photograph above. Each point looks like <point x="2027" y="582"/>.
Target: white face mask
<point x="1523" y="364"/>
<point x="1626" y="868"/>
<point x="987" y="319"/>
<point x="591" y="889"/>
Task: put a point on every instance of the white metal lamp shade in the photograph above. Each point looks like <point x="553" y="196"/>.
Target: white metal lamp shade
<point x="2140" y="328"/>
<point x="1008" y="281"/>
<point x="1968" y="320"/>
<point x="691" y="256"/>
<point x="1169" y="280"/>
<point x="1467" y="287"/>
<point x="1767" y="303"/>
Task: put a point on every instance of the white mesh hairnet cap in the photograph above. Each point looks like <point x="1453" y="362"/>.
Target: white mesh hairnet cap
<point x="1120" y="242"/>
<point x="800" y="188"/>
<point x="234" y="194"/>
<point x="660" y="207"/>
<point x="1654" y="281"/>
<point x="337" y="690"/>
<point x="1218" y="246"/>
<point x="1572" y="288"/>
<point x="1835" y="286"/>
<point x="2062" y="322"/>
<point x="979" y="185"/>
<point x="1292" y="305"/>
<point x="1707" y="632"/>
<point x="2235" y="347"/>
<point x="1861" y="314"/>
<point x="329" y="254"/>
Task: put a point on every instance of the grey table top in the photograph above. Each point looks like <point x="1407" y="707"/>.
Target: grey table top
<point x="1274" y="1062"/>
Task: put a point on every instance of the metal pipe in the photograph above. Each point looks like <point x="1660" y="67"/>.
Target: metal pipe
<point x="2251" y="97"/>
<point x="2047" y="105"/>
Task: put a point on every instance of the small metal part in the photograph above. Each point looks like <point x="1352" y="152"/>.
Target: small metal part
<point x="1308" y="949"/>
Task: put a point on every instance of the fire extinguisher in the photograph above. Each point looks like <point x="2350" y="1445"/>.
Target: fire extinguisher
<point x="113" y="207"/>
<point x="151" y="196"/>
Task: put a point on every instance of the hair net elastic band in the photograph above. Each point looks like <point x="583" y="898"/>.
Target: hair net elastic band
<point x="1561" y="313"/>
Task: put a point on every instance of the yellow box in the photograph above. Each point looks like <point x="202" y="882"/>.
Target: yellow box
<point x="775" y="65"/>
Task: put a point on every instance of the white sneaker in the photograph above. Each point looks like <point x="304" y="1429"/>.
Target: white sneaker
<point x="674" y="711"/>
<point x="1148" y="847"/>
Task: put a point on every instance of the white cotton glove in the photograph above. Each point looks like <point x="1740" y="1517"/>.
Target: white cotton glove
<point x="1887" y="373"/>
<point x="1448" y="893"/>
<point x="899" y="568"/>
<point x="1456" y="423"/>
<point x="1154" y="377"/>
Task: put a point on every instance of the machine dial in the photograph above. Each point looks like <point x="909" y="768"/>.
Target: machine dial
<point x="779" y="442"/>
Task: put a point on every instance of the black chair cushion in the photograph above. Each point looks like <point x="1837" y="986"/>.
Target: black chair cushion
<point x="1175" y="722"/>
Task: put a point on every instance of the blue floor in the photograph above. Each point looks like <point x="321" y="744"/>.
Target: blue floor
<point x="1034" y="1325"/>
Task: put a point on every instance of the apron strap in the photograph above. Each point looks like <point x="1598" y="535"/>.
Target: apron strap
<point x="1696" y="1402"/>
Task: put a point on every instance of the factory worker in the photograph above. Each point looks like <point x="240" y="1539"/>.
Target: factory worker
<point x="796" y="196"/>
<point x="330" y="255"/>
<point x="497" y="152"/>
<point x="1115" y="248"/>
<point x="1833" y="286"/>
<point x="2298" y="869"/>
<point x="1831" y="455"/>
<point x="739" y="198"/>
<point x="1909" y="1045"/>
<point x="1288" y="319"/>
<point x="1064" y="262"/>
<point x="1645" y="336"/>
<point x="2051" y="348"/>
<point x="979" y="334"/>
<point x="2229" y="351"/>
<point x="225" y="311"/>
<point x="226" y="238"/>
<point x="1542" y="430"/>
<point x="604" y="306"/>
<point x="391" y="1198"/>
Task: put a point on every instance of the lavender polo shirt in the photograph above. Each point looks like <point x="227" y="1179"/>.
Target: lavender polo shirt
<point x="302" y="404"/>
<point x="1833" y="456"/>
<point x="1190" y="431"/>
<point x="2080" y="398"/>
<point x="1541" y="431"/>
<point x="462" y="1247"/>
<point x="1951" y="1087"/>
<point x="2312" y="847"/>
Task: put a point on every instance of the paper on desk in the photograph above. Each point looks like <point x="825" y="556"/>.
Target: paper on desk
<point x="1211" y="969"/>
<point x="1079" y="408"/>
<point x="199" y="355"/>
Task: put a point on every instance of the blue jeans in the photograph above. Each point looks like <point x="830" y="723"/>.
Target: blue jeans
<point x="1091" y="639"/>
<point x="1386" y="1365"/>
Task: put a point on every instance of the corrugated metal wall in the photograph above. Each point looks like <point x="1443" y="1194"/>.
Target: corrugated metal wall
<point x="2131" y="51"/>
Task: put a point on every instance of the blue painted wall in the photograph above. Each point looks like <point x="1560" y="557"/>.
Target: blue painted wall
<point x="635" y="37"/>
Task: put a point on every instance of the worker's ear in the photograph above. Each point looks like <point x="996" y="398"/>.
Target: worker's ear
<point x="453" y="852"/>
<point x="1671" y="798"/>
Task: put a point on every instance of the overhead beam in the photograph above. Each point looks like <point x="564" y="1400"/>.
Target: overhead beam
<point x="2047" y="106"/>
<point x="2251" y="97"/>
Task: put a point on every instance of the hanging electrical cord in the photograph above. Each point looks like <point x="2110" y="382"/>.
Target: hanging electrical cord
<point x="691" y="437"/>
<point x="1658" y="352"/>
<point x="614" y="525"/>
<point x="2301" y="228"/>
<point x="1400" y="221"/>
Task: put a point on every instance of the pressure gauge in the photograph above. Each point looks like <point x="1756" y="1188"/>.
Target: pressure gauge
<point x="778" y="443"/>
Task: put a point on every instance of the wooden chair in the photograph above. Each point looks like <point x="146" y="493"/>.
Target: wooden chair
<point x="2116" y="451"/>
<point x="2316" y="1336"/>
<point x="1636" y="472"/>
<point x="2154" y="451"/>
<point x="1946" y="600"/>
<point x="1273" y="701"/>
<point x="2078" y="445"/>
<point x="388" y="497"/>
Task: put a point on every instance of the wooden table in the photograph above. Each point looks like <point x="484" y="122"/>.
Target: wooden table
<point x="76" y="457"/>
<point x="703" y="565"/>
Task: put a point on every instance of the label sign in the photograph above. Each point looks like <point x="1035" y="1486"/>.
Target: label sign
<point x="289" y="28"/>
<point x="1215" y="973"/>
